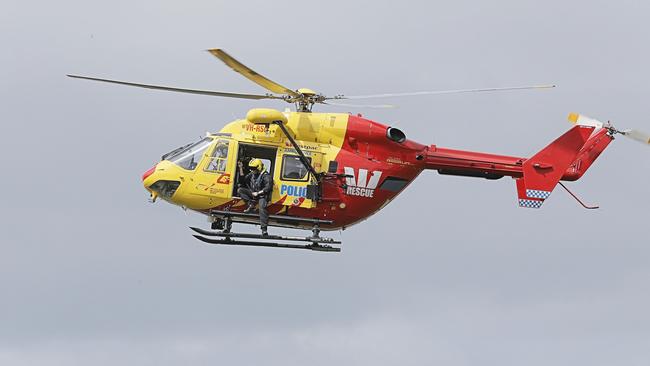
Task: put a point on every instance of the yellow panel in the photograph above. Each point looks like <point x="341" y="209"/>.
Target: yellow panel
<point x="319" y="135"/>
<point x="265" y="116"/>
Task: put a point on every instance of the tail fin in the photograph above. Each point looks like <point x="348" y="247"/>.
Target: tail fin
<point x="596" y="144"/>
<point x="542" y="171"/>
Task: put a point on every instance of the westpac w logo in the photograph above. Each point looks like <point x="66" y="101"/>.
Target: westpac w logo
<point x="360" y="185"/>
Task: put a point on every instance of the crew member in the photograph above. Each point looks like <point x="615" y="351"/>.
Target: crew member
<point x="257" y="187"/>
<point x="244" y="169"/>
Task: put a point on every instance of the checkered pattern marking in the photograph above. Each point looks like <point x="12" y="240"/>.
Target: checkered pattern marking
<point x="530" y="203"/>
<point x="533" y="193"/>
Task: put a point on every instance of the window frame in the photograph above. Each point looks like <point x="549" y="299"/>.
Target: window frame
<point x="210" y="157"/>
<point x="284" y="159"/>
<point x="175" y="158"/>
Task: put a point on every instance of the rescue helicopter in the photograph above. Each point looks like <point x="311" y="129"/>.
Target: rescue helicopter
<point x="333" y="170"/>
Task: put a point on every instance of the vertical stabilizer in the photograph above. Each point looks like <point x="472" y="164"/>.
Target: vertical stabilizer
<point x="542" y="171"/>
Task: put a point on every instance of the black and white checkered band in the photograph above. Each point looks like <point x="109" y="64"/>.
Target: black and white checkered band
<point x="530" y="203"/>
<point x="533" y="193"/>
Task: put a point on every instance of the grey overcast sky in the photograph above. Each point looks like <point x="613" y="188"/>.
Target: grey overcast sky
<point x="452" y="272"/>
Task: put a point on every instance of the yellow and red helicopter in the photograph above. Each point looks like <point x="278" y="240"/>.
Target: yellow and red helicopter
<point x="333" y="170"/>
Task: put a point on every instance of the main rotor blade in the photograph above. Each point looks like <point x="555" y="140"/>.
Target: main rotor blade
<point x="252" y="75"/>
<point x="376" y="106"/>
<point x="637" y="135"/>
<point x="456" y="91"/>
<point x="180" y="90"/>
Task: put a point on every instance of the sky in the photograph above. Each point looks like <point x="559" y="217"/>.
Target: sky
<point x="451" y="272"/>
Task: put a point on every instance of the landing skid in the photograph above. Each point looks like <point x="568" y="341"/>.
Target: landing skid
<point x="228" y="241"/>
<point x="225" y="219"/>
<point x="312" y="239"/>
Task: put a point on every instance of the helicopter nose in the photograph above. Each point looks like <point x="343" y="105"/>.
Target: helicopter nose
<point x="159" y="182"/>
<point x="148" y="180"/>
<point x="149" y="177"/>
<point x="148" y="173"/>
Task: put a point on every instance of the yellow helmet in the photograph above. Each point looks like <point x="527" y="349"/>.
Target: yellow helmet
<point x="256" y="164"/>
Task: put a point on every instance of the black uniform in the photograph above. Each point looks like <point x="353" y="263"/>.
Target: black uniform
<point x="256" y="182"/>
<point x="245" y="169"/>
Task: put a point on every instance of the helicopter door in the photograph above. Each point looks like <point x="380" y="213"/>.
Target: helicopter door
<point x="214" y="176"/>
<point x="248" y="152"/>
<point x="294" y="179"/>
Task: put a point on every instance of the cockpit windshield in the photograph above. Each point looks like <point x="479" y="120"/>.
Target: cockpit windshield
<point x="189" y="156"/>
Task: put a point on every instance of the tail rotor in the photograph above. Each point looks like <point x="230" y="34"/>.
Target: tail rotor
<point x="582" y="120"/>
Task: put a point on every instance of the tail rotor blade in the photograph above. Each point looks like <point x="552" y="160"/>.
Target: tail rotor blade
<point x="582" y="120"/>
<point x="642" y="137"/>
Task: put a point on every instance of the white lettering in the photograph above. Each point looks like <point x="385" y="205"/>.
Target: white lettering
<point x="360" y="185"/>
<point x="361" y="192"/>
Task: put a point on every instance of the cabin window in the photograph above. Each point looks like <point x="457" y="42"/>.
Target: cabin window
<point x="293" y="169"/>
<point x="219" y="157"/>
<point x="190" y="156"/>
<point x="393" y="184"/>
<point x="333" y="167"/>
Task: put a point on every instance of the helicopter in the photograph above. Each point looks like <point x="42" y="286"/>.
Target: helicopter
<point x="333" y="170"/>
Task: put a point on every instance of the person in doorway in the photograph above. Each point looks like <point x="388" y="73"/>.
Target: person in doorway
<point x="257" y="188"/>
<point x="244" y="169"/>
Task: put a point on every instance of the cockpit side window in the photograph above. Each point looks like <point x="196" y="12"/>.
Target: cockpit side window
<point x="190" y="156"/>
<point x="293" y="169"/>
<point x="219" y="157"/>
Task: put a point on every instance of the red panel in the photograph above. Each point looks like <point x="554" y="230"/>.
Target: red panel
<point x="469" y="161"/>
<point x="544" y="169"/>
<point x="587" y="155"/>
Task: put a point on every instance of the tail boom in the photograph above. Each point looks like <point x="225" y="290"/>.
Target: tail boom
<point x="473" y="164"/>
<point x="567" y="158"/>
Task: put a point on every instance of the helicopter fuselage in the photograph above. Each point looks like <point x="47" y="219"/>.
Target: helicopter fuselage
<point x="359" y="166"/>
<point x="364" y="165"/>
